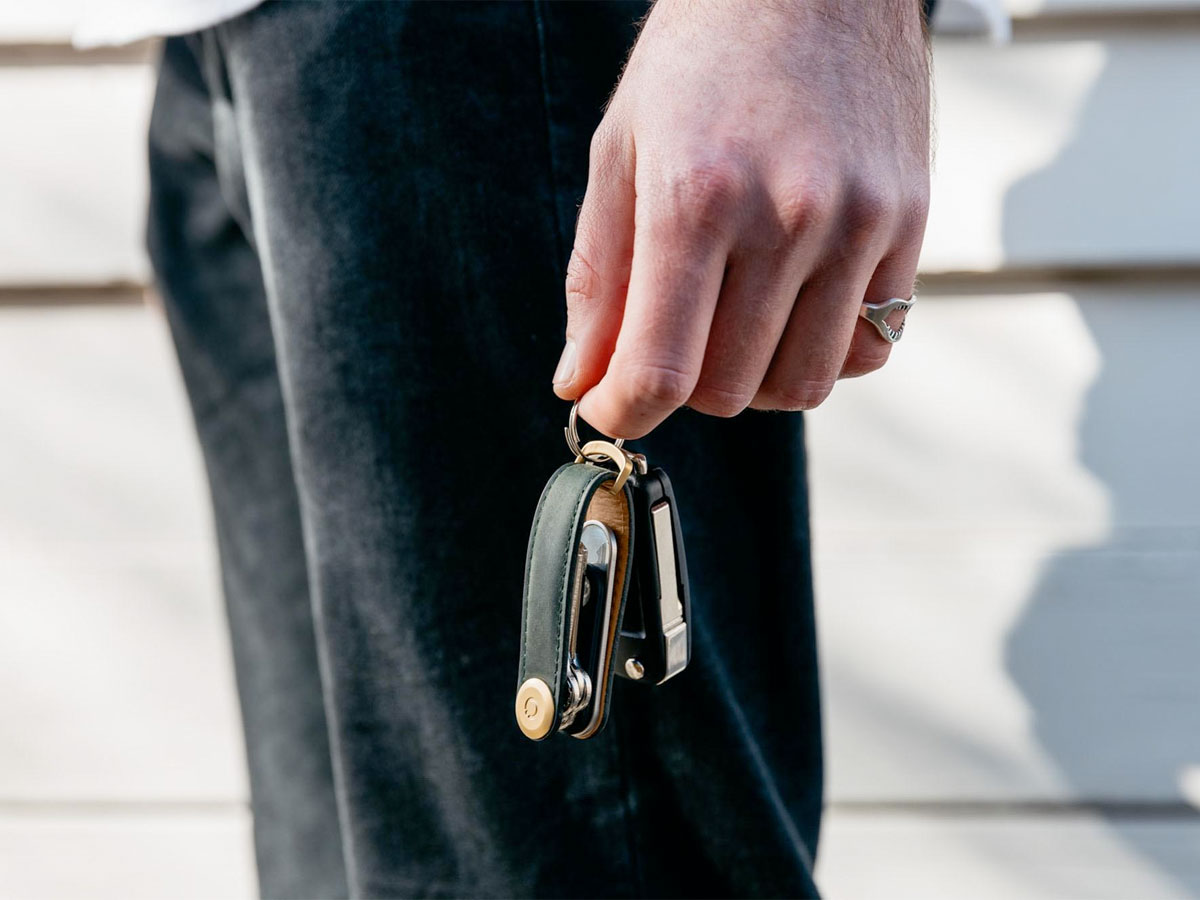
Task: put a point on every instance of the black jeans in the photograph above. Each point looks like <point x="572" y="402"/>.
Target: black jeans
<point x="360" y="218"/>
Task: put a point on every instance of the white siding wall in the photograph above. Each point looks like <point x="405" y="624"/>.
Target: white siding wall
<point x="1007" y="519"/>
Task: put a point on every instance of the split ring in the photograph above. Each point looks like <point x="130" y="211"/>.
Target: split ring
<point x="572" y="435"/>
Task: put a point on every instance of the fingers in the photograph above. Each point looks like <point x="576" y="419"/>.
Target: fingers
<point x="684" y="233"/>
<point x="598" y="271"/>
<point x="869" y="350"/>
<point x="755" y="303"/>
<point x="678" y="294"/>
<point x="872" y="256"/>
<point x="746" y="327"/>
<point x="895" y="276"/>
<point x="826" y="339"/>
<point x="814" y="343"/>
<point x="761" y="284"/>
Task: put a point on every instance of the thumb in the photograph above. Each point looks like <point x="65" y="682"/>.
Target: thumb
<point x="598" y="271"/>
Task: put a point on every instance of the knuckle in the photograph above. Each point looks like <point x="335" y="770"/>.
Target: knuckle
<point x="865" y="357"/>
<point x="708" y="189"/>
<point x="659" y="385"/>
<point x="724" y="401"/>
<point x="805" y="206"/>
<point x="870" y="208"/>
<point x="800" y="395"/>
<point x="914" y="212"/>
<point x="604" y="146"/>
<point x="582" y="283"/>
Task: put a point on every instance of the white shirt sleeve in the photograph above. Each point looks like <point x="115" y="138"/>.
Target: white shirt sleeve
<point x="122" y="21"/>
<point x="986" y="18"/>
<point x="112" y="22"/>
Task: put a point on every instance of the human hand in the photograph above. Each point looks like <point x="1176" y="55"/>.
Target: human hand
<point x="761" y="170"/>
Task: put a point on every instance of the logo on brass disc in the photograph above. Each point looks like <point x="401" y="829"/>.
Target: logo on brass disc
<point x="535" y="708"/>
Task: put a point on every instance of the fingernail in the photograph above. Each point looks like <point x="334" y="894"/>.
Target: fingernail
<point x="566" y="364"/>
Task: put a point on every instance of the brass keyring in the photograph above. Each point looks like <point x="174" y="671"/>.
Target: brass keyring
<point x="598" y="450"/>
<point x="572" y="433"/>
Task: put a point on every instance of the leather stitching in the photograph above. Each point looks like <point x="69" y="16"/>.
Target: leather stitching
<point x="537" y="523"/>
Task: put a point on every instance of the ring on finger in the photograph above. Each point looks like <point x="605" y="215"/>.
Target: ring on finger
<point x="877" y="314"/>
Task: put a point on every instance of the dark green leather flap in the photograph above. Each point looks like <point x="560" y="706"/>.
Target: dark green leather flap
<point x="553" y="541"/>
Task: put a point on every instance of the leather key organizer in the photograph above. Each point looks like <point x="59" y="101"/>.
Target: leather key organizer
<point x="606" y="590"/>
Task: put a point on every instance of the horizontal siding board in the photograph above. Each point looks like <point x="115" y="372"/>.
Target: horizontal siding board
<point x="867" y="856"/>
<point x="126" y="855"/>
<point x="1031" y="9"/>
<point x="1067" y="152"/>
<point x="98" y="443"/>
<point x="72" y="173"/>
<point x="118" y="671"/>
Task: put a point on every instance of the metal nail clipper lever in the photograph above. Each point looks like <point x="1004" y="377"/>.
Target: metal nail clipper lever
<point x="606" y="589"/>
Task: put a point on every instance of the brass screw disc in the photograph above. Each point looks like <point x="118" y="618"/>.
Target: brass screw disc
<point x="534" y="709"/>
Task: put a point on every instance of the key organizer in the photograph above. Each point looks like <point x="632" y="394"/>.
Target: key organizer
<point x="606" y="589"/>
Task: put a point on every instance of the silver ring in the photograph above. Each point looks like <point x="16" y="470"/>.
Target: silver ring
<point x="572" y="433"/>
<point x="877" y="313"/>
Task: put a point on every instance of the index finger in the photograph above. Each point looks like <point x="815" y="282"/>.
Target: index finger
<point x="674" y="282"/>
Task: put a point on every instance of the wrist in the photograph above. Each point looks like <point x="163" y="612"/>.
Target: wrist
<point x="886" y="18"/>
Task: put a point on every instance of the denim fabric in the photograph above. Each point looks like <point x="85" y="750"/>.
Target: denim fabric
<point x="360" y="217"/>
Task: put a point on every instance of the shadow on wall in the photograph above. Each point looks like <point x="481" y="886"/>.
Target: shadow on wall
<point x="1107" y="650"/>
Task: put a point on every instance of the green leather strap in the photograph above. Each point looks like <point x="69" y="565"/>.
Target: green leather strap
<point x="553" y="542"/>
